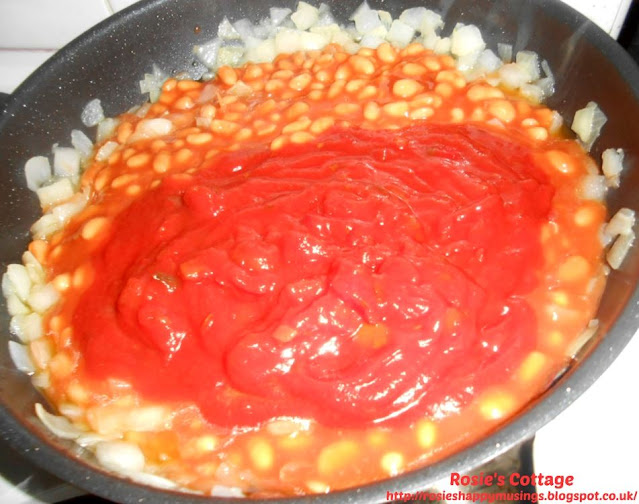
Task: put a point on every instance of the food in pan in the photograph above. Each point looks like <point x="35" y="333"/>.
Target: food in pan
<point x="337" y="261"/>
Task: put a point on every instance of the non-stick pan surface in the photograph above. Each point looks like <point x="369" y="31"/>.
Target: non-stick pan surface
<point x="107" y="63"/>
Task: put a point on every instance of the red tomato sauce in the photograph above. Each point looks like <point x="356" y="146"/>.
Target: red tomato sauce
<point x="373" y="290"/>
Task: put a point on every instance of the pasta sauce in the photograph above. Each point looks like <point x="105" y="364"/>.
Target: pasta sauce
<point x="344" y="268"/>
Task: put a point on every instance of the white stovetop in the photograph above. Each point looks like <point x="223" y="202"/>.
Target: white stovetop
<point x="595" y="440"/>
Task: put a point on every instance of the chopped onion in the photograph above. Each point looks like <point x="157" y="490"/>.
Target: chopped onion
<point x="58" y="425"/>
<point x="586" y="335"/>
<point x="45" y="226"/>
<point x="43" y="297"/>
<point x="488" y="61"/>
<point x="106" y="128"/>
<point x="66" y="162"/>
<point x="35" y="269"/>
<point x="400" y="33"/>
<point x="386" y="18"/>
<point x="240" y="88"/>
<point x="92" y="114"/>
<point x="505" y="52"/>
<point x="61" y="190"/>
<point x="264" y="52"/>
<point x="75" y="205"/>
<point x="588" y="123"/>
<point x="82" y="144"/>
<point x="513" y="75"/>
<point x="367" y="21"/>
<point x="207" y="53"/>
<point x="230" y="55"/>
<point x="226" y="491"/>
<point x="152" y="480"/>
<point x="305" y="16"/>
<point x="612" y="166"/>
<point x="529" y="61"/>
<point x="106" y="150"/>
<point x="151" y="128"/>
<point x="371" y="41"/>
<point x="621" y="223"/>
<point x="465" y="40"/>
<point x="120" y="456"/>
<point x="27" y="327"/>
<point x="226" y="30"/>
<point x="41" y="380"/>
<point x="279" y="15"/>
<point x="431" y="21"/>
<point x="15" y="306"/>
<point x="37" y="171"/>
<point x="593" y="187"/>
<point x="245" y="28"/>
<point x="18" y="275"/>
<point x="20" y="357"/>
<point x="619" y="249"/>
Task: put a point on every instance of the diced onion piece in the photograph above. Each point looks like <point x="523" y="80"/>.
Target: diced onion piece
<point x="505" y="52"/>
<point x="45" y="226"/>
<point x="621" y="223"/>
<point x="240" y="88"/>
<point x="35" y="269"/>
<point x="513" y="76"/>
<point x="75" y="205"/>
<point x="279" y="15"/>
<point x="619" y="249"/>
<point x="106" y="128"/>
<point x="367" y="21"/>
<point x="27" y="327"/>
<point x="207" y="53"/>
<point x="588" y="122"/>
<point x="400" y="33"/>
<point x="58" y="425"/>
<point x="120" y="456"/>
<point x="230" y="55"/>
<point x="586" y="335"/>
<point x="15" y="306"/>
<point x="431" y="21"/>
<point x="43" y="297"/>
<point x="465" y="40"/>
<point x="245" y="28"/>
<point x="612" y="165"/>
<point x="92" y="114"/>
<point x="37" y="171"/>
<point x="529" y="61"/>
<point x="467" y="62"/>
<point x="414" y="17"/>
<point x="59" y="191"/>
<point x="20" y="357"/>
<point x="532" y="92"/>
<point x="152" y="480"/>
<point x="106" y="150"/>
<point x="593" y="187"/>
<point x="226" y="31"/>
<point x="386" y="18"/>
<point x="371" y="41"/>
<point x="305" y="16"/>
<point x="81" y="143"/>
<point x="488" y="61"/>
<point x="226" y="491"/>
<point x="18" y="276"/>
<point x="442" y="46"/>
<point x="41" y="380"/>
<point x="557" y="122"/>
<point x="151" y="128"/>
<point x="66" y="162"/>
<point x="264" y="52"/>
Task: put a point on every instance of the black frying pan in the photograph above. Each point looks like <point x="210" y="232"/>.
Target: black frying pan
<point x="108" y="61"/>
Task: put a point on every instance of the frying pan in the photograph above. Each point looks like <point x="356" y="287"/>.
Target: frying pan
<point x="108" y="61"/>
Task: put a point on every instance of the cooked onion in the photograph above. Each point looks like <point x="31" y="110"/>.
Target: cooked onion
<point x="37" y="171"/>
<point x="587" y="123"/>
<point x="20" y="356"/>
<point x="92" y="113"/>
<point x="58" y="425"/>
<point x="120" y="456"/>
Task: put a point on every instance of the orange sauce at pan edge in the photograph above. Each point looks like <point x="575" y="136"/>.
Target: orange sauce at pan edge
<point x="313" y="227"/>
